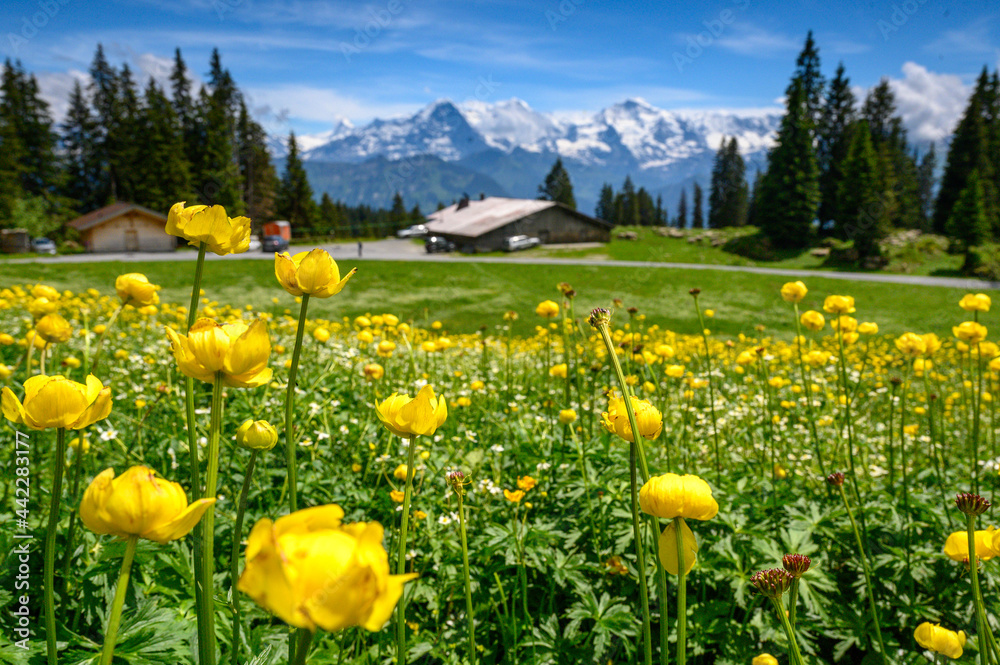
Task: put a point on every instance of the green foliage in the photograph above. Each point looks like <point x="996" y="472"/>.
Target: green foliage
<point x="294" y="200"/>
<point x="31" y="214"/>
<point x="728" y="196"/>
<point x="864" y="204"/>
<point x="557" y="186"/>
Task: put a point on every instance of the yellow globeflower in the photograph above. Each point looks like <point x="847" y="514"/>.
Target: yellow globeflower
<point x="314" y="572"/>
<point x="210" y="225"/>
<point x="868" y="328"/>
<point x="932" y="343"/>
<point x="980" y="302"/>
<point x="55" y="401"/>
<point x="812" y="320"/>
<point x="53" y="328"/>
<point x="674" y="371"/>
<point x="257" y="435"/>
<point x="567" y="416"/>
<point x="137" y="503"/>
<point x="236" y="351"/>
<point x="956" y="547"/>
<point x="420" y="416"/>
<point x="668" y="548"/>
<point x="794" y="291"/>
<point x="513" y="497"/>
<point x="374" y="371"/>
<point x="321" y="334"/>
<point x="526" y="483"/>
<point x="911" y="344"/>
<point x="940" y="640"/>
<point x="313" y="273"/>
<point x="970" y="331"/>
<point x="839" y="304"/>
<point x="44" y="291"/>
<point x="547" y="308"/>
<point x="134" y="289"/>
<point x="764" y="659"/>
<point x="400" y="472"/>
<point x="39" y="307"/>
<point x="648" y="418"/>
<point x="670" y="495"/>
<point x="559" y="370"/>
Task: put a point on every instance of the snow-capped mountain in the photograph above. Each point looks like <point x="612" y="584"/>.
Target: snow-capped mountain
<point x="514" y="145"/>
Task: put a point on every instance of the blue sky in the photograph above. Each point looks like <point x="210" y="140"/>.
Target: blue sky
<point x="306" y="63"/>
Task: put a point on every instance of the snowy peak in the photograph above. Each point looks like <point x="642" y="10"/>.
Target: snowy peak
<point x="632" y="134"/>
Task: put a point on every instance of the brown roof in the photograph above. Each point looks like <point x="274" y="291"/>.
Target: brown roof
<point x="101" y="215"/>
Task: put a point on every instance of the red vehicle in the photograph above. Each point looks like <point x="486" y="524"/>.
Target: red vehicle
<point x="279" y="228"/>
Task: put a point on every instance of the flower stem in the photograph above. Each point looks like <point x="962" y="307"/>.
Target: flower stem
<point x="793" y="644"/>
<point x="793" y="598"/>
<point x="208" y="524"/>
<point x="50" y="547"/>
<point x="982" y="625"/>
<point x="867" y="573"/>
<point x="636" y="453"/>
<point x="293" y="498"/>
<point x="100" y="341"/>
<point x="303" y="638"/>
<point x="401" y="556"/>
<point x="468" y="584"/>
<point x="807" y="389"/>
<point x="711" y="391"/>
<point x="234" y="560"/>
<point x="681" y="593"/>
<point x="111" y="634"/>
<point x="74" y="487"/>
<point x="192" y="439"/>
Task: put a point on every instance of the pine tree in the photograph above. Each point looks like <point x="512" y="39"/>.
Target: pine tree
<point x="104" y="98"/>
<point x="697" y="217"/>
<point x="831" y="146"/>
<point x="970" y="149"/>
<point x="162" y="175"/>
<point x="82" y="163"/>
<point x="728" y="196"/>
<point x="397" y="214"/>
<point x="606" y="205"/>
<point x="295" y="195"/>
<point x="257" y="173"/>
<point x="217" y="176"/>
<point x="661" y="214"/>
<point x="969" y="222"/>
<point x="807" y="70"/>
<point x="789" y="192"/>
<point x="33" y="144"/>
<point x="627" y="205"/>
<point x="646" y="207"/>
<point x="925" y="188"/>
<point x="682" y="211"/>
<point x="128" y="144"/>
<point x="864" y="215"/>
<point x="10" y="173"/>
<point x="329" y="216"/>
<point x="557" y="186"/>
<point x="754" y="206"/>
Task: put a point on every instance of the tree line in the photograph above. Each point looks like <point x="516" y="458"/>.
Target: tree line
<point x="154" y="146"/>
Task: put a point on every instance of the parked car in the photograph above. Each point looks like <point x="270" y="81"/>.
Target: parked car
<point x="255" y="245"/>
<point x="435" y="244"/>
<point x="43" y="246"/>
<point x="273" y="244"/>
<point x="415" y="231"/>
<point x="514" y="243"/>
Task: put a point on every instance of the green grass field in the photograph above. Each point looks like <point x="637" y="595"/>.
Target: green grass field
<point x="468" y="295"/>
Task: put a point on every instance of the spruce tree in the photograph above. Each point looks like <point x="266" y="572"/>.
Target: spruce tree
<point x="925" y="188"/>
<point x="259" y="178"/>
<point x="789" y="192"/>
<point x="754" y="206"/>
<point x="33" y="144"/>
<point x="606" y="205"/>
<point x="697" y="216"/>
<point x="969" y="149"/>
<point x="832" y="143"/>
<point x="217" y="177"/>
<point x="557" y="186"/>
<point x="627" y="205"/>
<point x="646" y="207"/>
<point x="295" y="196"/>
<point x="864" y="214"/>
<point x="327" y="215"/>
<point x="807" y="70"/>
<point x="397" y="214"/>
<point x="82" y="162"/>
<point x="728" y="196"/>
<point x="163" y="174"/>
<point x="682" y="211"/>
<point x="104" y="98"/>
<point x="969" y="222"/>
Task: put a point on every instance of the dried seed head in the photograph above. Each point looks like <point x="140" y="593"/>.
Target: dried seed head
<point x="694" y="292"/>
<point x="599" y="317"/>
<point x="972" y="504"/>
<point x="836" y="479"/>
<point x="896" y="381"/>
<point x="565" y="289"/>
<point x="632" y="311"/>
<point x="772" y="582"/>
<point x="796" y="564"/>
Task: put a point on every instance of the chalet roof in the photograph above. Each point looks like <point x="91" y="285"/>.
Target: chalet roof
<point x="483" y="216"/>
<point x="101" y="215"/>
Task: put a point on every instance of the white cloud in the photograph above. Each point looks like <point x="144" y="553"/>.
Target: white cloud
<point x="747" y="39"/>
<point x="929" y="103"/>
<point x="55" y="88"/>
<point x="307" y="103"/>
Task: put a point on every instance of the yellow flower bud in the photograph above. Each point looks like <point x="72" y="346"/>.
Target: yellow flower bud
<point x="257" y="435"/>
